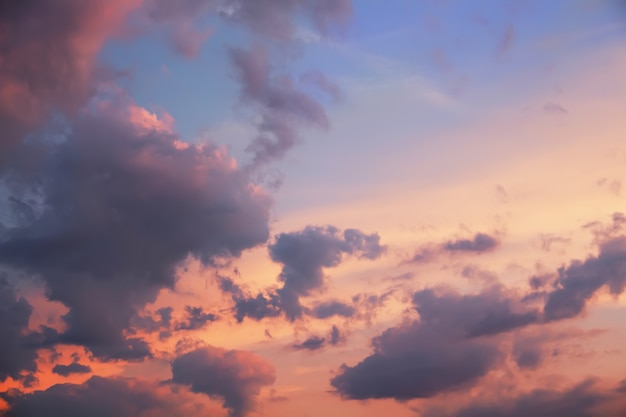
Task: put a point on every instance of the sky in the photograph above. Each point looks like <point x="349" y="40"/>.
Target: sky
<point x="254" y="208"/>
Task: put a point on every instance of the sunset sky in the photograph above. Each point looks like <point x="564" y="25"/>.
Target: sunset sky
<point x="316" y="208"/>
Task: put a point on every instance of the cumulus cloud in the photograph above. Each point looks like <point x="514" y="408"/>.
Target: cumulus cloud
<point x="120" y="209"/>
<point x="577" y="283"/>
<point x="587" y="399"/>
<point x="234" y="376"/>
<point x="304" y="255"/>
<point x="105" y="397"/>
<point x="451" y="340"/>
<point x="47" y="63"/>
<point x="107" y="202"/>
<point x="457" y="337"/>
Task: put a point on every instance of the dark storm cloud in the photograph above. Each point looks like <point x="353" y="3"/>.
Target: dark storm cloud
<point x="577" y="283"/>
<point x="121" y="209"/>
<point x="333" y="308"/>
<point x="583" y="400"/>
<point x="72" y="368"/>
<point x="15" y="312"/>
<point x="450" y="341"/>
<point x="47" y="52"/>
<point x="103" y="397"/>
<point x="234" y="376"/>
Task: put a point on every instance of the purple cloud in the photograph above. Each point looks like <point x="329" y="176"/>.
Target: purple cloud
<point x="121" y="209"/>
<point x="234" y="376"/>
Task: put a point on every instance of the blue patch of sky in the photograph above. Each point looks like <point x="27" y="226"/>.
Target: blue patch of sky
<point x="199" y="92"/>
<point x="451" y="44"/>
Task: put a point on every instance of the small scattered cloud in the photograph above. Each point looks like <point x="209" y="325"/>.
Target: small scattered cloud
<point x="555" y="109"/>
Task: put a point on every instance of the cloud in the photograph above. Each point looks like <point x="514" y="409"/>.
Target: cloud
<point x="281" y="104"/>
<point x="555" y="109"/>
<point x="450" y="341"/>
<point x="406" y="358"/>
<point x="312" y="343"/>
<point x="333" y="308"/>
<point x="335" y="336"/>
<point x="603" y="232"/>
<point x="120" y="209"/>
<point x="586" y="399"/>
<point x="506" y="42"/>
<point x="527" y="352"/>
<point x="319" y="80"/>
<point x="72" y="368"/>
<point x="274" y="19"/>
<point x="440" y="58"/>
<point x="480" y="243"/>
<point x="579" y="281"/>
<point x="548" y="241"/>
<point x="105" y="397"/>
<point x="304" y="255"/>
<point x="487" y="313"/>
<point x="48" y="52"/>
<point x="196" y="319"/>
<point x="186" y="36"/>
<point x="234" y="376"/>
<point x="49" y="49"/>
<point x="457" y="336"/>
<point x="15" y="357"/>
<point x="614" y="186"/>
<point x="255" y="307"/>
